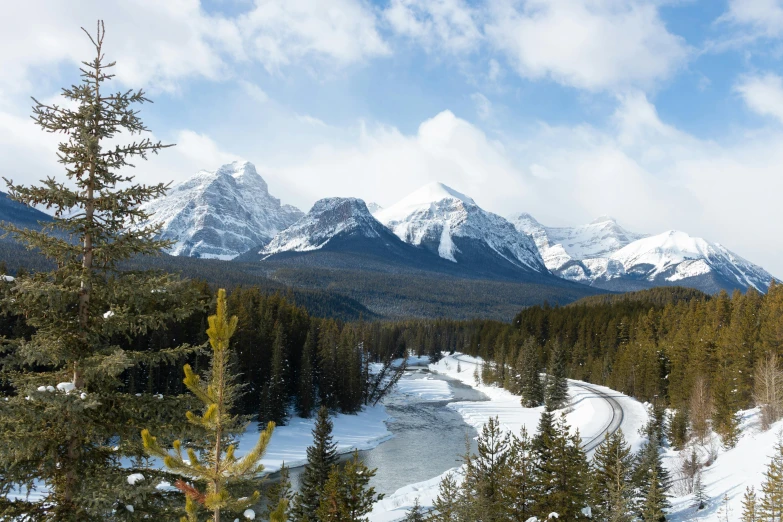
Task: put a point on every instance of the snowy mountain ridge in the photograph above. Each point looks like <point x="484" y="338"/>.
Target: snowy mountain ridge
<point x="220" y="214"/>
<point x="449" y="223"/>
<point x="327" y="219"/>
<point x="606" y="255"/>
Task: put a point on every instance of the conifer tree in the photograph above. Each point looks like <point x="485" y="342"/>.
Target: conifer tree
<point x="518" y="488"/>
<point x="62" y="440"/>
<point x="700" y="497"/>
<point x="217" y="469"/>
<point x="749" y="506"/>
<point x="276" y="389"/>
<point x="305" y="401"/>
<point x="487" y="472"/>
<point x="613" y="465"/>
<point x="771" y="505"/>
<point x="651" y="483"/>
<point x="347" y="494"/>
<point x="531" y="387"/>
<point x="416" y="513"/>
<point x="321" y="457"/>
<point x="279" y="494"/>
<point x="449" y="505"/>
<point x="654" y="501"/>
<point x="561" y="476"/>
<point x="556" y="384"/>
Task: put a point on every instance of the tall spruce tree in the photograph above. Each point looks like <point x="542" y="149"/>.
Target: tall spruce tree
<point x="531" y="387"/>
<point x="347" y="494"/>
<point x="217" y="470"/>
<point x="556" y="383"/>
<point x="518" y="488"/>
<point x="305" y="400"/>
<point x="612" y="493"/>
<point x="486" y="472"/>
<point x="651" y="483"/>
<point x="321" y="456"/>
<point x="62" y="442"/>
<point x="561" y="476"/>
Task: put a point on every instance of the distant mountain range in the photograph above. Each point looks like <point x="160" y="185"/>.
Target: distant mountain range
<point x="436" y="236"/>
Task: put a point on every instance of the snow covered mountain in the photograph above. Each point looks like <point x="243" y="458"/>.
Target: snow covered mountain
<point x="221" y="214"/>
<point x="605" y="255"/>
<point x="451" y="225"/>
<point x="329" y="218"/>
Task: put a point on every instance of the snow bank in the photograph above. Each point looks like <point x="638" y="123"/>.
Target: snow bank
<point x="730" y="474"/>
<point x="426" y="388"/>
<point x="289" y="443"/>
<point x="589" y="413"/>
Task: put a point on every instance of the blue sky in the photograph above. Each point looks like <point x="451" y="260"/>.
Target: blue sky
<point x="667" y="114"/>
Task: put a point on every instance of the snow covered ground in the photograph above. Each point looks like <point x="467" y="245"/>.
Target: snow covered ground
<point x="289" y="443"/>
<point x="730" y="474"/>
<point x="590" y="415"/>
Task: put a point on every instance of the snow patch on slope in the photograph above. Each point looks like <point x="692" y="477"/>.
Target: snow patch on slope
<point x="220" y="214"/>
<point x="327" y="219"/>
<point x="436" y="215"/>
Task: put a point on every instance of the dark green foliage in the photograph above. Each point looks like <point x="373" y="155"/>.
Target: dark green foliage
<point x="279" y="493"/>
<point x="486" y="473"/>
<point x="530" y="386"/>
<point x="562" y="471"/>
<point x="678" y="428"/>
<point x="80" y="313"/>
<point x="612" y="469"/>
<point x="518" y="488"/>
<point x="556" y="383"/>
<point x="651" y="483"/>
<point x="347" y="495"/>
<point x="321" y="457"/>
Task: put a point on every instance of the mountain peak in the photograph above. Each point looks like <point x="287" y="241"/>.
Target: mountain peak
<point x="327" y="219"/>
<point x="437" y="191"/>
<point x="603" y="219"/>
<point x="220" y="213"/>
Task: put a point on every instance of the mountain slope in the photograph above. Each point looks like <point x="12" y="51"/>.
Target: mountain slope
<point x="605" y="255"/>
<point x="453" y="227"/>
<point x="342" y="233"/>
<point x="21" y="215"/>
<point x="221" y="214"/>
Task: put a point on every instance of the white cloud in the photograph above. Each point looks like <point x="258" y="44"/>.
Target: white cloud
<point x="155" y="44"/>
<point x="255" y="92"/>
<point x="763" y="17"/>
<point x="483" y="105"/>
<point x="588" y="44"/>
<point x="436" y="24"/>
<point x="763" y="94"/>
<point x="159" y="44"/>
<point x="281" y="32"/>
<point x="647" y="173"/>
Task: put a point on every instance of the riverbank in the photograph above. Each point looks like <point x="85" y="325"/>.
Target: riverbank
<point x="589" y="413"/>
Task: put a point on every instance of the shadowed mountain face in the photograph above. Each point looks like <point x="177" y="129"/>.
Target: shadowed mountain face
<point x="19" y="214"/>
